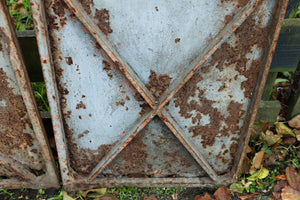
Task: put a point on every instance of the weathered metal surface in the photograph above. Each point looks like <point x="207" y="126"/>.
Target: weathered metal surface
<point x="24" y="154"/>
<point x="112" y="67"/>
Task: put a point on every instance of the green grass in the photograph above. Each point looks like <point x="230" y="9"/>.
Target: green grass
<point x="39" y="90"/>
<point x="20" y="13"/>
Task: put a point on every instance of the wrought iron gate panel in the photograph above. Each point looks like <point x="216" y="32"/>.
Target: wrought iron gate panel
<point x="25" y="158"/>
<point x="118" y="65"/>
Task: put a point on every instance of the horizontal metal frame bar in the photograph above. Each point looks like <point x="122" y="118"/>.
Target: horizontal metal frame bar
<point x="81" y="184"/>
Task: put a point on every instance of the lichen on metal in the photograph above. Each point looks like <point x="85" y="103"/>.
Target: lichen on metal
<point x="155" y="93"/>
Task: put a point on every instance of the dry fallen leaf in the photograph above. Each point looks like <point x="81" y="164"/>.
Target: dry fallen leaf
<point x="246" y="185"/>
<point x="236" y="187"/>
<point x="94" y="192"/>
<point x="292" y="177"/>
<point x="295" y="122"/>
<point x="256" y="162"/>
<point x="281" y="184"/>
<point x="297" y="133"/>
<point x="260" y="174"/>
<point x="248" y="196"/>
<point x="205" y="197"/>
<point x="280" y="177"/>
<point x="222" y="193"/>
<point x="282" y="129"/>
<point x="277" y="195"/>
<point x="288" y="193"/>
<point x="269" y="138"/>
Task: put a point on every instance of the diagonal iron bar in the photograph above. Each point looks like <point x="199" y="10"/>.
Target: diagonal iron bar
<point x="238" y="19"/>
<point x="187" y="143"/>
<point x="16" y="167"/>
<point x="130" y="74"/>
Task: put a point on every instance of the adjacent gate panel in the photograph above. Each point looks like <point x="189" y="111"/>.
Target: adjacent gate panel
<point x="154" y="93"/>
<point x="25" y="158"/>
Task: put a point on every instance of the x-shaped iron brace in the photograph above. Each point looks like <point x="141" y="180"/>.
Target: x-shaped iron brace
<point x="158" y="106"/>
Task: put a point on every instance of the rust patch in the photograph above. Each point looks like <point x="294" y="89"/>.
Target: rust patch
<point x="158" y="84"/>
<point x="248" y="35"/>
<point x="69" y="60"/>
<point x="144" y="107"/>
<point x="86" y="5"/>
<point x="83" y="134"/>
<point x="102" y="16"/>
<point x="240" y="3"/>
<point x="83" y="160"/>
<point x="156" y="8"/>
<point x="209" y="132"/>
<point x="107" y="67"/>
<point x="13" y="119"/>
<point x="59" y="8"/>
<point x="177" y="40"/>
<point x="80" y="105"/>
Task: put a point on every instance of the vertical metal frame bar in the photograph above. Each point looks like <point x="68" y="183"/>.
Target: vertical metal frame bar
<point x="50" y="179"/>
<point x="41" y="31"/>
<point x="276" y="26"/>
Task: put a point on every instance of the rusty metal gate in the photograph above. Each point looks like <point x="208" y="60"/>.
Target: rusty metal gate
<point x="154" y="93"/>
<point x="25" y="159"/>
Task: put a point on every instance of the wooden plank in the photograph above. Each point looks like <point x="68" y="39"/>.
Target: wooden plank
<point x="287" y="53"/>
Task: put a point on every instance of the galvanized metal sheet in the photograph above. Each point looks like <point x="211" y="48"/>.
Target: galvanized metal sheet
<point x="111" y="67"/>
<point x="25" y="160"/>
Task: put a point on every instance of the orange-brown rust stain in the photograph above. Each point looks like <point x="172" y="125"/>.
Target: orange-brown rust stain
<point x="80" y="105"/>
<point x="86" y="4"/>
<point x="209" y="132"/>
<point x="13" y="119"/>
<point x="248" y="35"/>
<point x="83" y="160"/>
<point x="158" y="84"/>
<point x="144" y="106"/>
<point x="102" y="17"/>
<point x="240" y="3"/>
<point x="107" y="67"/>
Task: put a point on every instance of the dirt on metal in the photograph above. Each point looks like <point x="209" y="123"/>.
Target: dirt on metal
<point x="248" y="35"/>
<point x="14" y="121"/>
<point x="158" y="84"/>
<point x="86" y="5"/>
<point x="102" y="16"/>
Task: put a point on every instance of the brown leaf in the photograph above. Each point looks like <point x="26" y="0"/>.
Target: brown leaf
<point x="295" y="122"/>
<point x="280" y="177"/>
<point x="293" y="177"/>
<point x="205" y="197"/>
<point x="277" y="195"/>
<point x="256" y="162"/>
<point x="288" y="193"/>
<point x="151" y="197"/>
<point x="248" y="196"/>
<point x="246" y="165"/>
<point x="289" y="141"/>
<point x="281" y="184"/>
<point x="222" y="193"/>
